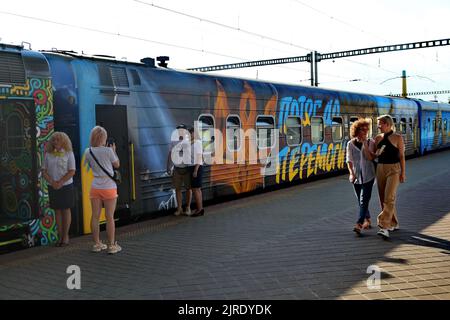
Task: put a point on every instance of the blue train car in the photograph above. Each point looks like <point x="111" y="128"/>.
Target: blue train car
<point x="26" y="122"/>
<point x="300" y="132"/>
<point x="435" y="130"/>
<point x="140" y="105"/>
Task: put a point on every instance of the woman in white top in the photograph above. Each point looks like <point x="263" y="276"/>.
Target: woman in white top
<point x="360" y="155"/>
<point x="104" y="188"/>
<point x="58" y="169"/>
<point x="197" y="173"/>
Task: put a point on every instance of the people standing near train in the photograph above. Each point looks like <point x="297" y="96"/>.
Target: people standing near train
<point x="102" y="159"/>
<point x="178" y="168"/>
<point x="197" y="172"/>
<point x="58" y="170"/>
<point x="360" y="155"/>
<point x="391" y="171"/>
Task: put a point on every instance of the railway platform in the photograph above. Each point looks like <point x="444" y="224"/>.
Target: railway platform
<point x="292" y="244"/>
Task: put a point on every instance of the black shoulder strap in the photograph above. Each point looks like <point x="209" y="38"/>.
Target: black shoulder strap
<point x="104" y="170"/>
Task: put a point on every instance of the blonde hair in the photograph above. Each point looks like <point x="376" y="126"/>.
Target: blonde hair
<point x="61" y="136"/>
<point x="388" y="120"/>
<point x="98" y="135"/>
<point x="357" y="125"/>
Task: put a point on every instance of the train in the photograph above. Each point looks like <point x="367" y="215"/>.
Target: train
<point x="141" y="103"/>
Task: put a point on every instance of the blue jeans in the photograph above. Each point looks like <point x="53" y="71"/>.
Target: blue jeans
<point x="363" y="193"/>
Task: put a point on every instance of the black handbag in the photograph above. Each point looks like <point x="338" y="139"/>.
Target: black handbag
<point x="117" y="177"/>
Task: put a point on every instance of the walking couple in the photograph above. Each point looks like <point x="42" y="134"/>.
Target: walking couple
<point x="389" y="149"/>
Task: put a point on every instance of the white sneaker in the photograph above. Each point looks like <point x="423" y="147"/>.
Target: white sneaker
<point x="178" y="212"/>
<point x="384" y="233"/>
<point x="114" y="248"/>
<point x="397" y="227"/>
<point x="99" y="247"/>
<point x="188" y="211"/>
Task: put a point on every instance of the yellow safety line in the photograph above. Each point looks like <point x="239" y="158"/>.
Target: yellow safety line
<point x="9" y="242"/>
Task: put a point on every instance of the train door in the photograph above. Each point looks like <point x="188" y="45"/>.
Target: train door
<point x="114" y="119"/>
<point x="18" y="177"/>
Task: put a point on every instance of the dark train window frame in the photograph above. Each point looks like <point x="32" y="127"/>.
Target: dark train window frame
<point x="323" y="130"/>
<point x="396" y="124"/>
<point x="213" y="140"/>
<point x="433" y="125"/>
<point x="342" y="129"/>
<point x="445" y="125"/>
<point x="370" y="133"/>
<point x="351" y="120"/>
<point x="403" y="125"/>
<point x="227" y="135"/>
<point x="300" y="126"/>
<point x="272" y="136"/>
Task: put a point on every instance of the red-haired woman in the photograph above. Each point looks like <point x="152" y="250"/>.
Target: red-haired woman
<point x="360" y="155"/>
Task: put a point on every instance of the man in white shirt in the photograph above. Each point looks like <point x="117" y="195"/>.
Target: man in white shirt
<point x="178" y="162"/>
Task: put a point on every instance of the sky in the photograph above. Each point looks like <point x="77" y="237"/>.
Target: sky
<point x="196" y="33"/>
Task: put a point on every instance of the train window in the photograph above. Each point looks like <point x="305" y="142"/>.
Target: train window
<point x="337" y="129"/>
<point x="396" y="125"/>
<point x="206" y="129"/>
<point x="445" y="125"/>
<point x="317" y="130"/>
<point x="294" y="130"/>
<point x="233" y="133"/>
<point x="352" y="120"/>
<point x="15" y="133"/>
<point x="439" y="124"/>
<point x="403" y="125"/>
<point x="265" y="126"/>
<point x="370" y="128"/>
<point x="434" y="125"/>
<point x="428" y="126"/>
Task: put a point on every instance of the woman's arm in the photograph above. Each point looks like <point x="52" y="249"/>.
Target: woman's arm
<point x="115" y="164"/>
<point x="65" y="178"/>
<point x="369" y="150"/>
<point x="351" y="170"/>
<point x="48" y="178"/>
<point x="401" y="151"/>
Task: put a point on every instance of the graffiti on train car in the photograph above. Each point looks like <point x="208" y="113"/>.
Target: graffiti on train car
<point x="27" y="109"/>
<point x="242" y="177"/>
<point x="304" y="160"/>
<point x="306" y="108"/>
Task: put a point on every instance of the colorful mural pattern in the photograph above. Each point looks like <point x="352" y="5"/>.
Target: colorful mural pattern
<point x="41" y="224"/>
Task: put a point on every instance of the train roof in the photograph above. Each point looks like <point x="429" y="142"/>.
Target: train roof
<point x="96" y="57"/>
<point x="17" y="64"/>
<point x="149" y="62"/>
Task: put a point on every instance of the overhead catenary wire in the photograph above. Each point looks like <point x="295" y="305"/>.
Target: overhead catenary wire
<point x="247" y="31"/>
<point x="333" y="18"/>
<point x="210" y="52"/>
<point x="95" y="30"/>
<point x="252" y="33"/>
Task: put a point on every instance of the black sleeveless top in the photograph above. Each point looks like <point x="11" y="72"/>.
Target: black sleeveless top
<point x="390" y="154"/>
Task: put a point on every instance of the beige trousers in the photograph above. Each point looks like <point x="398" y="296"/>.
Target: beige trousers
<point x="388" y="180"/>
